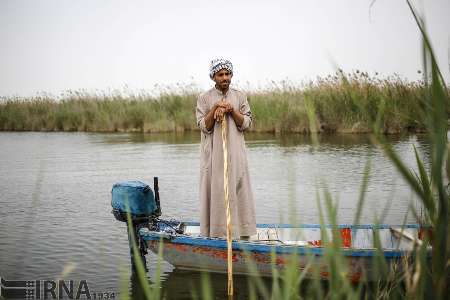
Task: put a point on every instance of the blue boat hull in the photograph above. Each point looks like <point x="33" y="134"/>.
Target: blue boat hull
<point x="264" y="256"/>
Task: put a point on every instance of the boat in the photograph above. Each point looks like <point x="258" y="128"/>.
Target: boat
<point x="274" y="247"/>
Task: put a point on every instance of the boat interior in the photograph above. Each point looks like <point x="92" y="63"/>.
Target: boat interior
<point x="357" y="237"/>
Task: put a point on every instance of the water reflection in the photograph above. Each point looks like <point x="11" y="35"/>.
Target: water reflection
<point x="253" y="139"/>
<point x="186" y="284"/>
<point x="138" y="138"/>
<point x="136" y="290"/>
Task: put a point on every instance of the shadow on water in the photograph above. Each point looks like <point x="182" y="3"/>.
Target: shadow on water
<point x="342" y="141"/>
<point x="253" y="139"/>
<point x="187" y="284"/>
<point x="190" y="284"/>
<point x="184" y="284"/>
<point x="138" y="138"/>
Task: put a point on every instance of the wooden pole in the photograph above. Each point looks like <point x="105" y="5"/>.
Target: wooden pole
<point x="227" y="205"/>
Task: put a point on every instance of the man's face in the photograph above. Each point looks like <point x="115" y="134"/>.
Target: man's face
<point x="223" y="79"/>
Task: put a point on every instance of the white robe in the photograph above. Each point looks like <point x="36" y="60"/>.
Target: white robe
<point x="212" y="203"/>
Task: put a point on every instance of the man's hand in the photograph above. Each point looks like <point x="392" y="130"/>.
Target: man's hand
<point x="225" y="105"/>
<point x="219" y="113"/>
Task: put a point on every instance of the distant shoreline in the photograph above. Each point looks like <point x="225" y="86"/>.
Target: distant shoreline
<point x="181" y="130"/>
<point x="342" y="103"/>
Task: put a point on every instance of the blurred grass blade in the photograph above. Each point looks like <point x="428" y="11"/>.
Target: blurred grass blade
<point x="426" y="40"/>
<point x="401" y="167"/>
<point x="141" y="273"/>
<point x="207" y="292"/>
<point x="363" y="191"/>
<point x="426" y="187"/>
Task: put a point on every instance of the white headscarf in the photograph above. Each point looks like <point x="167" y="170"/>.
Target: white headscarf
<point x="219" y="64"/>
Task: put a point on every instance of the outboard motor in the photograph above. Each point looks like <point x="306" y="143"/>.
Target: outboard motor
<point x="137" y="199"/>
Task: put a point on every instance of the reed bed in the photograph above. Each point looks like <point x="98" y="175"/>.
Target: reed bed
<point x="342" y="103"/>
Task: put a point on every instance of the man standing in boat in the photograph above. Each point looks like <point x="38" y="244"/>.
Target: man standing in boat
<point x="212" y="107"/>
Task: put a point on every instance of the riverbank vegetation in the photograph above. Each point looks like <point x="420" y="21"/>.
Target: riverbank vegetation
<point x="342" y="103"/>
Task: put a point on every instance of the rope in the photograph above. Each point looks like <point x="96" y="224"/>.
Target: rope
<point x="227" y="204"/>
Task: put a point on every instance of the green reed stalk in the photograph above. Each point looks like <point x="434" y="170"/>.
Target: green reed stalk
<point x="430" y="188"/>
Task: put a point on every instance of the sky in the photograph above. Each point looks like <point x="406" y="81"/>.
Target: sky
<point x="58" y="45"/>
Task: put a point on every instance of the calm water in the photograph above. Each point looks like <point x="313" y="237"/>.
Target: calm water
<point x="55" y="215"/>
